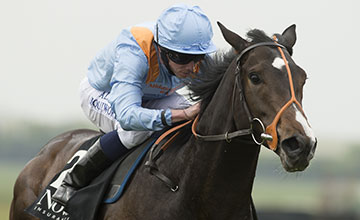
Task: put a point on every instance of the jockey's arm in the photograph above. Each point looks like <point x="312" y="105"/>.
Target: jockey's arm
<point x="126" y="95"/>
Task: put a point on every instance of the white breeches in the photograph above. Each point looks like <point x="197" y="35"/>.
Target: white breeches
<point x="97" y="108"/>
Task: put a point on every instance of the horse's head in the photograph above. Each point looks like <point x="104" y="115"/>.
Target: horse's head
<point x="273" y="92"/>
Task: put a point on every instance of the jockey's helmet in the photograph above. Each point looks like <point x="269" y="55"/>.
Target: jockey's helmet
<point x="184" y="29"/>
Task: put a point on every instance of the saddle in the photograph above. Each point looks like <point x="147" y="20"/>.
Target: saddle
<point x="108" y="187"/>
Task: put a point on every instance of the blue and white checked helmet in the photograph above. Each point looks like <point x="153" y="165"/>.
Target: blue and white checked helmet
<point x="185" y="29"/>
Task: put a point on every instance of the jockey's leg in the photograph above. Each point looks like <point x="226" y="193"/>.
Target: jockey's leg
<point x="111" y="146"/>
<point x="99" y="156"/>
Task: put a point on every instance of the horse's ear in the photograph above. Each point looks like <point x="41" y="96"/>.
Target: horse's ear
<point x="237" y="42"/>
<point x="289" y="37"/>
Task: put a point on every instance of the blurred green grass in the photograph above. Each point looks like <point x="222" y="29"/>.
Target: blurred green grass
<point x="289" y="195"/>
<point x="9" y="172"/>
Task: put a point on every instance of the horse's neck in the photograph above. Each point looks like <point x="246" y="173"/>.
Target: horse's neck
<point x="224" y="171"/>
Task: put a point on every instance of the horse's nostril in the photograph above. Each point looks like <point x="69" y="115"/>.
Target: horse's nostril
<point x="291" y="144"/>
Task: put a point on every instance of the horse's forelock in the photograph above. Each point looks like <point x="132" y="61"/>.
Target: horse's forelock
<point x="257" y="36"/>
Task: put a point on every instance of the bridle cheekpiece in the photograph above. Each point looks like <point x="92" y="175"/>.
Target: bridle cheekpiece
<point x="268" y="134"/>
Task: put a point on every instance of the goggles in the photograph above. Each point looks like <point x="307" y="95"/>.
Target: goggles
<point x="182" y="58"/>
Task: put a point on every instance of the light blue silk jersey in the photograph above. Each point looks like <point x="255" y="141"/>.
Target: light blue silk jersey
<point x="121" y="68"/>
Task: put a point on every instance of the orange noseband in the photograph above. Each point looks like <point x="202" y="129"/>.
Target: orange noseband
<point x="271" y="129"/>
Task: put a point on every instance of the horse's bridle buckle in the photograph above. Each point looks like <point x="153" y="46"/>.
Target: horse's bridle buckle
<point x="227" y="137"/>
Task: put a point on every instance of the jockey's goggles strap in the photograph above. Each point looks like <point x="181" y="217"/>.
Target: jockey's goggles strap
<point x="271" y="129"/>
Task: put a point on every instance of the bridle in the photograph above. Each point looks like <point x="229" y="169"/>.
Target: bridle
<point x="269" y="134"/>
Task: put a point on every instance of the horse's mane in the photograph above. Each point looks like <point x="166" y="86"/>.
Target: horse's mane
<point x="213" y="68"/>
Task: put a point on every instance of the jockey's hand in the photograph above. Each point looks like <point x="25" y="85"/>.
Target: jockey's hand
<point x="185" y="114"/>
<point x="192" y="111"/>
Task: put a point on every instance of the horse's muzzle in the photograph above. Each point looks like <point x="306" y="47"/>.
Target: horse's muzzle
<point x="296" y="152"/>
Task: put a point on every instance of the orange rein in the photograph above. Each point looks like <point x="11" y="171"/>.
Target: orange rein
<point x="168" y="132"/>
<point x="271" y="129"/>
<point x="193" y="127"/>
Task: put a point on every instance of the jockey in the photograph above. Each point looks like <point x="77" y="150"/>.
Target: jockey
<point x="129" y="91"/>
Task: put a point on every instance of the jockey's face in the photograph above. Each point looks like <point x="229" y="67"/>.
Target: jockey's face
<point x="182" y="70"/>
<point x="181" y="64"/>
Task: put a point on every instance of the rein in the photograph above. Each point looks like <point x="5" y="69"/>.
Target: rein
<point x="151" y="162"/>
<point x="219" y="137"/>
<point x="269" y="134"/>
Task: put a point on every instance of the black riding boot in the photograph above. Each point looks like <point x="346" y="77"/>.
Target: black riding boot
<point x="89" y="167"/>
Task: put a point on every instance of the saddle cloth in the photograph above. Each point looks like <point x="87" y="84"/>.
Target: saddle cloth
<point x="107" y="187"/>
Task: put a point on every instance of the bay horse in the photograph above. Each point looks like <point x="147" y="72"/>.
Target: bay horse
<point x="241" y="92"/>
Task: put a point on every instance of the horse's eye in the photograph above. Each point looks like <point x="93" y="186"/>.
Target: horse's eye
<point x="254" y="78"/>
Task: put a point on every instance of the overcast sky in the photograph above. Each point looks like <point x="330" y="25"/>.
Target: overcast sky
<point x="46" y="46"/>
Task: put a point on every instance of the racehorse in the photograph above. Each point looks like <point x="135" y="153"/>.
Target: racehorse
<point x="250" y="96"/>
